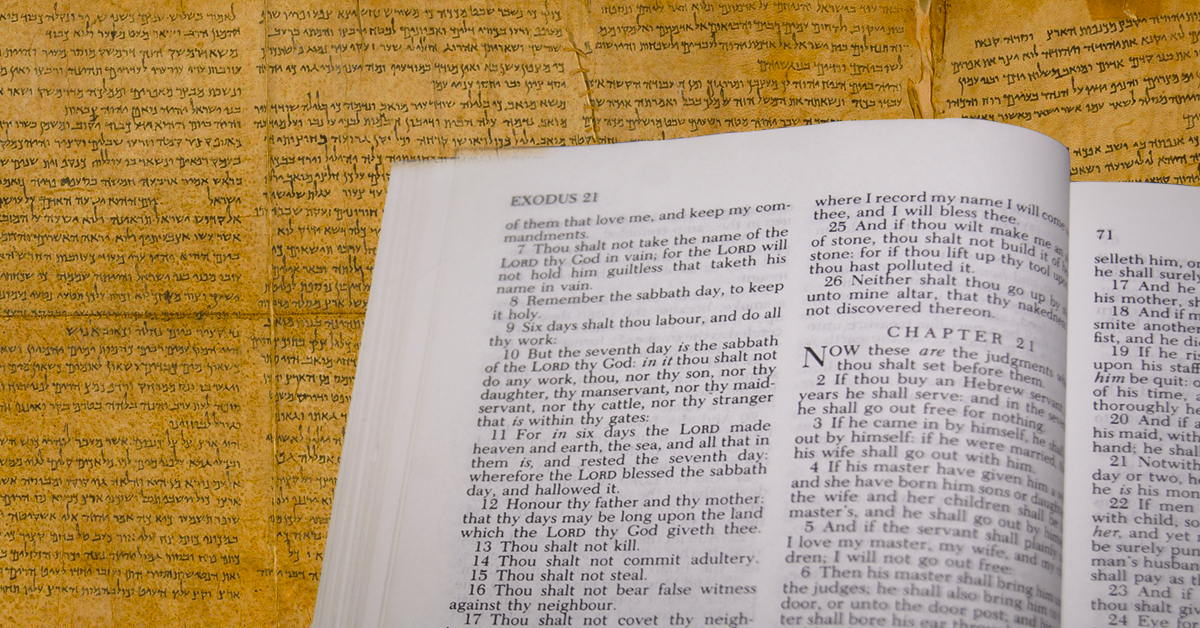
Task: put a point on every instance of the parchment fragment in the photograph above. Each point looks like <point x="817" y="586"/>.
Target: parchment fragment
<point x="135" y="458"/>
<point x="1118" y="87"/>
<point x="669" y="69"/>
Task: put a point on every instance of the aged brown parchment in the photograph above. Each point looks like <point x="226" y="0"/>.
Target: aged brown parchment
<point x="190" y="193"/>
<point x="1114" y="80"/>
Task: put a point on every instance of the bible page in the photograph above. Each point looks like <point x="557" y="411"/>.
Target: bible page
<point x="802" y="377"/>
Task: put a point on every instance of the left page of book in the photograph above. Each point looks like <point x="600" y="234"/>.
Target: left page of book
<point x="191" y="199"/>
<point x="799" y="376"/>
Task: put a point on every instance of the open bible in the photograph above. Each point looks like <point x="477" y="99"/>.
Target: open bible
<point x="820" y="376"/>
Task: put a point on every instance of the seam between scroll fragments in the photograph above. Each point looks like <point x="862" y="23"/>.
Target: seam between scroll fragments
<point x="587" y="87"/>
<point x="920" y="92"/>
<point x="272" y="397"/>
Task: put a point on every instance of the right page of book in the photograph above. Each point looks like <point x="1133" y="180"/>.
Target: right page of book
<point x="1115" y="80"/>
<point x="1133" y="399"/>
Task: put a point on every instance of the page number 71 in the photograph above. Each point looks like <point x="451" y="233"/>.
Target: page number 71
<point x="1104" y="234"/>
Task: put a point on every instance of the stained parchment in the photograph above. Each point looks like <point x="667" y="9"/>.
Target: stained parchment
<point x="1114" y="81"/>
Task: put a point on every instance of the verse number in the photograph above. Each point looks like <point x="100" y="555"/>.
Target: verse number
<point x="837" y="226"/>
<point x="1104" y="234"/>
